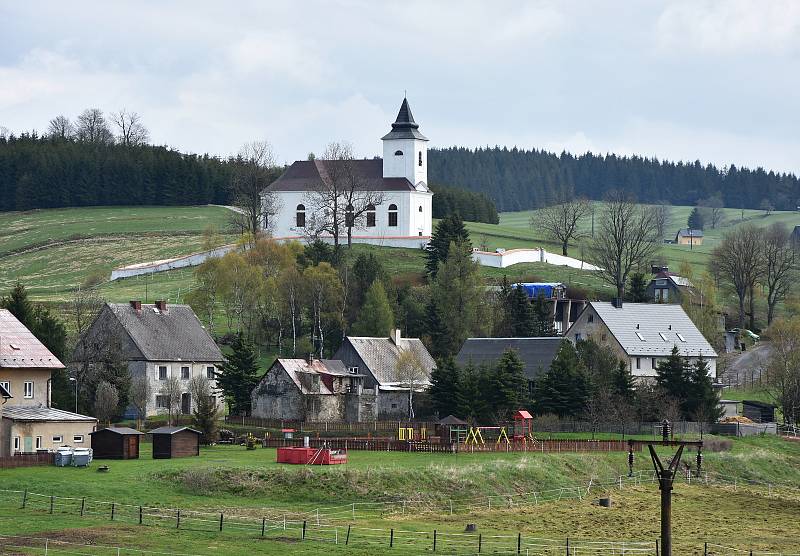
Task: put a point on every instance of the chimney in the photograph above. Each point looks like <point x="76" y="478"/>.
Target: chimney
<point x="617" y="302"/>
<point x="310" y="359"/>
<point x="137" y="305"/>
<point x="395" y="335"/>
<point x="161" y="305"/>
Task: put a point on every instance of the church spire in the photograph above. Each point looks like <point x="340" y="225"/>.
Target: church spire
<point x="404" y="127"/>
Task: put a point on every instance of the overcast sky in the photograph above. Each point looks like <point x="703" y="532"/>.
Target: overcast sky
<point x="718" y="81"/>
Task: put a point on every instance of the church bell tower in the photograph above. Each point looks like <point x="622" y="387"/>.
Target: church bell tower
<point x="405" y="154"/>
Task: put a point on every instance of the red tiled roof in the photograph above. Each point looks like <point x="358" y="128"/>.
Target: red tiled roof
<point x="19" y="348"/>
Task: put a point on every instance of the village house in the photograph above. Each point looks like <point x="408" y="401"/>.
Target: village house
<point x="686" y="236"/>
<point x="666" y="287"/>
<point x="376" y="359"/>
<point x="312" y="390"/>
<point x="158" y="341"/>
<point x="29" y="423"/>
<point x="401" y="215"/>
<point x="536" y="353"/>
<point x="643" y="334"/>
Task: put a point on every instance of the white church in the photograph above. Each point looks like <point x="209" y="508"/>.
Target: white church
<point x="399" y="180"/>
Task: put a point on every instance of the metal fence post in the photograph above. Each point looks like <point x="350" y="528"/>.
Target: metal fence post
<point x="178" y="523"/>
<point x="112" y="511"/>
<point x="519" y="543"/>
<point x="304" y="529"/>
<point x="52" y="498"/>
<point x="140" y="515"/>
<point x="391" y="538"/>
<point x="567" y="546"/>
<point x="347" y="539"/>
<point x="24" y="498"/>
<point x="83" y="505"/>
<point x="221" y="517"/>
<point x="263" y="525"/>
<point x="705" y="548"/>
<point x="434" y="540"/>
<point x="480" y="542"/>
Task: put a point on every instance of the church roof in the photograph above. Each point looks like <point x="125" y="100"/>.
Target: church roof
<point x="307" y="175"/>
<point x="404" y="126"/>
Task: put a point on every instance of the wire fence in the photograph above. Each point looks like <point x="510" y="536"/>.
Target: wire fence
<point x="47" y="546"/>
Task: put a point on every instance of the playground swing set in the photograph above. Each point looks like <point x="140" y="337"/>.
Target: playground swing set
<point x="458" y="433"/>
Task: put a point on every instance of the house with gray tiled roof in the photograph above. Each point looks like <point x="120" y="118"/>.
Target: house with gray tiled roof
<point x="536" y="353"/>
<point x="158" y="341"/>
<point x="27" y="420"/>
<point x="643" y="334"/>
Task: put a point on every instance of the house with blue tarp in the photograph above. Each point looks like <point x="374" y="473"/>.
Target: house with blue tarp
<point x="549" y="290"/>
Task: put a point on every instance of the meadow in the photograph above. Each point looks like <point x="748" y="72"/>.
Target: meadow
<point x="492" y="491"/>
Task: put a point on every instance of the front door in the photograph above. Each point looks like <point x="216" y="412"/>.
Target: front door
<point x="133" y="446"/>
<point x="27" y="444"/>
<point x="186" y="403"/>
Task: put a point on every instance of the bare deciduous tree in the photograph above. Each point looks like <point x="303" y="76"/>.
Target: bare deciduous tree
<point x="171" y="396"/>
<point x="206" y="410"/>
<point x="140" y="397"/>
<point x="411" y="373"/>
<point x="663" y="216"/>
<point x="783" y="368"/>
<point x="254" y="170"/>
<point x="780" y="265"/>
<point x="60" y="128"/>
<point x="627" y="239"/>
<point x="106" y="399"/>
<point x="737" y="261"/>
<point x="91" y="127"/>
<point x="131" y="130"/>
<point x="713" y="208"/>
<point x="561" y="221"/>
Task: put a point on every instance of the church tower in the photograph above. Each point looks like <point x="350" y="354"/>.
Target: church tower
<point x="405" y="154"/>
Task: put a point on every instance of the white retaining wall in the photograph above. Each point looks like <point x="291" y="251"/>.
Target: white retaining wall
<point x="516" y="256"/>
<point x="170" y="264"/>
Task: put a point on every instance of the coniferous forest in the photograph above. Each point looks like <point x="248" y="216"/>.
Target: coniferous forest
<point x="525" y="179"/>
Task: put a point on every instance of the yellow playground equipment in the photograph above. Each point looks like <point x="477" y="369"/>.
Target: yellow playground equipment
<point x="475" y="435"/>
<point x="410" y="433"/>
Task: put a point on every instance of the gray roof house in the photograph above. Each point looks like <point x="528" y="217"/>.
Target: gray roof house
<point x="158" y="341"/>
<point x="536" y="353"/>
<point x="666" y="287"/>
<point x="376" y="359"/>
<point x="643" y="333"/>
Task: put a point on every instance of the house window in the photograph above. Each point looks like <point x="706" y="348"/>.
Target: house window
<point x="16" y="443"/>
<point x="394" y="406"/>
<point x="352" y="370"/>
<point x="77" y="439"/>
<point x="58" y="439"/>
<point x="638" y="362"/>
<point x="349" y="221"/>
<point x="590" y="318"/>
<point x="420" y="158"/>
<point x="162" y="402"/>
<point x="185" y="373"/>
<point x="392" y="215"/>
<point x="28" y="390"/>
<point x="6" y="385"/>
<point x="38" y="442"/>
<point x="653" y="362"/>
<point x="210" y="375"/>
<point x="398" y="153"/>
<point x="162" y="372"/>
<point x="301" y="216"/>
<point x="370" y="216"/>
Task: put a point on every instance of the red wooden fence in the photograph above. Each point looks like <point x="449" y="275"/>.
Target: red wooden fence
<point x="27" y="460"/>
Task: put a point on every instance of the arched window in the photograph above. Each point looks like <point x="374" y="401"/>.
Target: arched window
<point x="398" y="153"/>
<point x="370" y="216"/>
<point x="420" y="158"/>
<point x="420" y="208"/>
<point x="301" y="216"/>
<point x="349" y="221"/>
<point x="393" y="215"/>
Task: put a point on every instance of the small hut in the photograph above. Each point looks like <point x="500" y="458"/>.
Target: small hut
<point x="115" y="443"/>
<point x="758" y="412"/>
<point x="452" y="430"/>
<point x="175" y="442"/>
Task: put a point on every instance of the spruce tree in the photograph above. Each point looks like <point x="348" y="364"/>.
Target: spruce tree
<point x="507" y="385"/>
<point x="523" y="320"/>
<point x="637" y="293"/>
<point x="672" y="375"/>
<point x="445" y="387"/>
<point x="695" y="220"/>
<point x="564" y="389"/>
<point x="543" y="324"/>
<point x="450" y="229"/>
<point x="375" y="318"/>
<point x="471" y="393"/>
<point x="703" y="401"/>
<point x="622" y="382"/>
<point x="18" y="304"/>
<point x="238" y="376"/>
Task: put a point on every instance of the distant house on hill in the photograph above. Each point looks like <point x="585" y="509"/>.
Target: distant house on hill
<point x="643" y="334"/>
<point x="158" y="341"/>
<point x="666" y="287"/>
<point x="686" y="236"/>
<point x="28" y="422"/>
<point x="536" y="353"/>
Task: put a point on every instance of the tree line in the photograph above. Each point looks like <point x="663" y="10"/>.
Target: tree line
<point x="470" y="205"/>
<point x="518" y="179"/>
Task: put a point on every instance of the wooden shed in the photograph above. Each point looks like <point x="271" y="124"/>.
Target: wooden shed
<point x="175" y="442"/>
<point x="116" y="443"/>
<point x="758" y="412"/>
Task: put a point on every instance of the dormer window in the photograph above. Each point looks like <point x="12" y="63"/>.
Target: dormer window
<point x="15" y="347"/>
<point x="680" y="336"/>
<point x="420" y="158"/>
<point x="398" y="153"/>
<point x="639" y="335"/>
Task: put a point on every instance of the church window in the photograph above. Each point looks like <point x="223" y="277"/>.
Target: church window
<point x="420" y="158"/>
<point x="393" y="215"/>
<point x="301" y="216"/>
<point x="420" y="208"/>
<point x="370" y="216"/>
<point x="349" y="221"/>
<point x="398" y="153"/>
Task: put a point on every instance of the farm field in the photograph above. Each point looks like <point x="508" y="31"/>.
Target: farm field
<point x="248" y="484"/>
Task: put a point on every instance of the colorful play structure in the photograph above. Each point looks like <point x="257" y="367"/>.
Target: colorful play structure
<point x="452" y="430"/>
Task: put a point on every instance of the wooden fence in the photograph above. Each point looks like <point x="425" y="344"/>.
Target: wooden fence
<point x="329" y="426"/>
<point x="27" y="460"/>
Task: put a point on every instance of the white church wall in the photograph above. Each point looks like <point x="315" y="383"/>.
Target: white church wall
<point x="407" y="165"/>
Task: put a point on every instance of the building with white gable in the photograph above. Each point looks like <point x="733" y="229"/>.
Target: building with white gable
<point x="401" y="218"/>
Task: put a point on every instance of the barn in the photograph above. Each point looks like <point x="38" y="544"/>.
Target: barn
<point x="116" y="443"/>
<point x="175" y="442"/>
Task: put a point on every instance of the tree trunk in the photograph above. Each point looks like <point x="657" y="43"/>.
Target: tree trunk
<point x="741" y="308"/>
<point x="752" y="308"/>
<point x="564" y="248"/>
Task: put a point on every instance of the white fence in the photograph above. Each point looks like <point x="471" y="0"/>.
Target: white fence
<point x="510" y="257"/>
<point x="170" y="264"/>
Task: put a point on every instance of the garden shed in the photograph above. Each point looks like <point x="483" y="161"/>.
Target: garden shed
<point x="116" y="443"/>
<point x="175" y="442"/>
<point x="758" y="412"/>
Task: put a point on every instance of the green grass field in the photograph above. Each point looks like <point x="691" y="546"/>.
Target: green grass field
<point x="246" y="485"/>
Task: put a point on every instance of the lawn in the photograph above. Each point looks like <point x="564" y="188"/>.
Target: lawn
<point x="248" y="484"/>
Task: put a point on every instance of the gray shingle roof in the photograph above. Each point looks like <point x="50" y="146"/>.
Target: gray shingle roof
<point x="124" y="431"/>
<point x="172" y="430"/>
<point x="404" y="126"/>
<point x="296" y="368"/>
<point x="19" y="348"/>
<point x="174" y="335"/>
<point x="306" y="175"/>
<point x="380" y="356"/>
<point x="536" y="353"/>
<point x="25" y="413"/>
<point x="685" y="232"/>
<point x="660" y="325"/>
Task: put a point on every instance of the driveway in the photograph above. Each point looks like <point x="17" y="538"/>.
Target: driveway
<point x="745" y="368"/>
